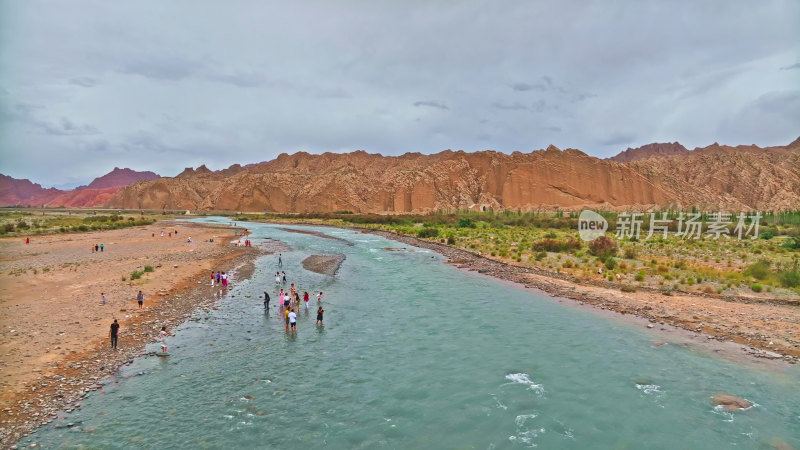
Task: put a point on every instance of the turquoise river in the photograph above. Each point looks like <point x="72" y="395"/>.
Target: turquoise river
<point x="416" y="354"/>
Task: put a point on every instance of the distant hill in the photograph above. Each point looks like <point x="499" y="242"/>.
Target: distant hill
<point x="119" y="177"/>
<point x="649" y="150"/>
<point x="23" y="192"/>
<point x="714" y="177"/>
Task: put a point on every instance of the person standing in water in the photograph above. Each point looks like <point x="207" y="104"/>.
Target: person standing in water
<point x="140" y="299"/>
<point x="319" y="297"/>
<point x="320" y="311"/>
<point x="305" y="299"/>
<point x="278" y="278"/>
<point x="286" y="315"/>
<point x="164" y="335"/>
<point x="113" y="334"/>
<point x="293" y="321"/>
<point x="280" y="259"/>
<point x="266" y="301"/>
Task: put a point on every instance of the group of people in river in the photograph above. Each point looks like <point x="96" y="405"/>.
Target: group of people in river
<point x="289" y="302"/>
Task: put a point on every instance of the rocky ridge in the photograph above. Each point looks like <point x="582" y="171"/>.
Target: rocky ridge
<point x="714" y="177"/>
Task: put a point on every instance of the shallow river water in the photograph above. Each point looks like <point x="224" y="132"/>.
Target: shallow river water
<point x="417" y="354"/>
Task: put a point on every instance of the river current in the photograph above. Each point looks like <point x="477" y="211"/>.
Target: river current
<point x="417" y="354"/>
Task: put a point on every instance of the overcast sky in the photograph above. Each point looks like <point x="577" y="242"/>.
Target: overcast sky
<point x="162" y="85"/>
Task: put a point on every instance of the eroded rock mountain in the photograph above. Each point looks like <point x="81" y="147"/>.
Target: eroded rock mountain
<point x="713" y="177"/>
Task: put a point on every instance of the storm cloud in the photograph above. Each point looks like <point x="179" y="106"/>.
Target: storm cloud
<point x="90" y="85"/>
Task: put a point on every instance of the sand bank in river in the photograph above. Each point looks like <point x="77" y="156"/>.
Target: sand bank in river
<point x="324" y="264"/>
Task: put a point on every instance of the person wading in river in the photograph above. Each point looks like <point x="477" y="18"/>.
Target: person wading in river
<point x="320" y="311"/>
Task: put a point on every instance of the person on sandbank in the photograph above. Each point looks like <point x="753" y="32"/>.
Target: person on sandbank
<point x="113" y="333"/>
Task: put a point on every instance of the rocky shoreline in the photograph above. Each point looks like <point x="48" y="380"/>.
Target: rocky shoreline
<point x="567" y="287"/>
<point x="79" y="375"/>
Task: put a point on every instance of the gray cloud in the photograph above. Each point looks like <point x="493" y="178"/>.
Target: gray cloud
<point x="122" y="85"/>
<point x="84" y="81"/>
<point x="619" y="138"/>
<point x="66" y="127"/>
<point x="170" y="68"/>
<point x="510" y="106"/>
<point x="241" y="79"/>
<point x="522" y="87"/>
<point x="431" y="104"/>
<point x="792" y="67"/>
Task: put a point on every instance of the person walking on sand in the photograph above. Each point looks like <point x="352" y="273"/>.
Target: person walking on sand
<point x="219" y="277"/>
<point x="266" y="301"/>
<point x="96" y="248"/>
<point x="28" y="240"/>
<point x="293" y="321"/>
<point x="224" y="280"/>
<point x="101" y="248"/>
<point x="213" y="277"/>
<point x="140" y="299"/>
<point x="164" y="335"/>
<point x="113" y="333"/>
<point x="103" y="297"/>
<point x="320" y="311"/>
<point x="305" y="299"/>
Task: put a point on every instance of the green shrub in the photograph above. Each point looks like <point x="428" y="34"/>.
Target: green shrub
<point x="640" y="276"/>
<point x="627" y="288"/>
<point x="758" y="270"/>
<point x="789" y="278"/>
<point x="465" y="222"/>
<point x="136" y="274"/>
<point x="756" y="287"/>
<point x="766" y="235"/>
<point x="540" y="256"/>
<point x="428" y="232"/>
<point x="630" y="253"/>
<point x="610" y="263"/>
<point x="791" y="243"/>
<point x="148" y="268"/>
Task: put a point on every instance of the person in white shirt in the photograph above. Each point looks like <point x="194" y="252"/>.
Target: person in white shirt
<point x="293" y="321"/>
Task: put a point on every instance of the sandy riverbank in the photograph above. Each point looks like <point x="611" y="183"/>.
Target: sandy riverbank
<point x="764" y="329"/>
<point x="54" y="346"/>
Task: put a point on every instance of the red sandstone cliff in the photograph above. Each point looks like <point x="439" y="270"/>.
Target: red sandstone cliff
<point x="732" y="178"/>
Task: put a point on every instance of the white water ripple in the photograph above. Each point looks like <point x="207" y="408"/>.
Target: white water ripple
<point x="524" y="378"/>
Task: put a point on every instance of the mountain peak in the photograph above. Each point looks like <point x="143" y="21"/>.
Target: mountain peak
<point x="119" y="177"/>
<point x="650" y="150"/>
